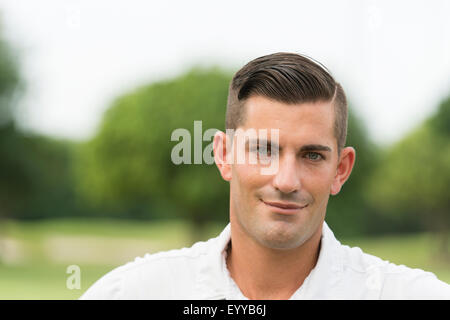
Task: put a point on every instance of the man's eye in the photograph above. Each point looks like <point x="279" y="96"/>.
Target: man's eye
<point x="314" y="156"/>
<point x="264" y="150"/>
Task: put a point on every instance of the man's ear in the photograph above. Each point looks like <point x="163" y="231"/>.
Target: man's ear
<point x="222" y="154"/>
<point x="344" y="168"/>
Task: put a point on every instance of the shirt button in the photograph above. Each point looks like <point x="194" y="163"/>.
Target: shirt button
<point x="373" y="281"/>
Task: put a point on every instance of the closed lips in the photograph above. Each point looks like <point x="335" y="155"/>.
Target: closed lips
<point x="284" y="205"/>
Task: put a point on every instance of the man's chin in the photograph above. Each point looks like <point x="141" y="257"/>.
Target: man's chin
<point x="281" y="235"/>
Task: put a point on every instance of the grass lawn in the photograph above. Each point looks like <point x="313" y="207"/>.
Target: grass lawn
<point x="38" y="253"/>
<point x="45" y="281"/>
<point x="414" y="251"/>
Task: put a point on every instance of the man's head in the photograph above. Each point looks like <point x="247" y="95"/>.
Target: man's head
<point x="300" y="99"/>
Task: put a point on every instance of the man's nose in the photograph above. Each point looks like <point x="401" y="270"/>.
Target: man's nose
<point x="286" y="179"/>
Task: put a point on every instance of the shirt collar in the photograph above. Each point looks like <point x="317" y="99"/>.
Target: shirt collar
<point x="214" y="281"/>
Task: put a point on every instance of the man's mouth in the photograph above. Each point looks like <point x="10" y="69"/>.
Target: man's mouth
<point x="284" y="207"/>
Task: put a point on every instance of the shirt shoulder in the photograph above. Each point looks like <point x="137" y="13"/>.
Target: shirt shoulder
<point x="381" y="279"/>
<point x="163" y="275"/>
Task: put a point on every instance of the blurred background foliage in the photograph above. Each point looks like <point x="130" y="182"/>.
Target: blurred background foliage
<point x="125" y="172"/>
<point x="127" y="166"/>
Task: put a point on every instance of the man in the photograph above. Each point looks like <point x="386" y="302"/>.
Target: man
<point x="277" y="245"/>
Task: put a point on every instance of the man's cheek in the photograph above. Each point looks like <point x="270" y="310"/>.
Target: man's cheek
<point x="250" y="178"/>
<point x="318" y="188"/>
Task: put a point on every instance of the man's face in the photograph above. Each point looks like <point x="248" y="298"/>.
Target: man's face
<point x="284" y="209"/>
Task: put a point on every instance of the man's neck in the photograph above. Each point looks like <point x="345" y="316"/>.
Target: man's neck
<point x="263" y="273"/>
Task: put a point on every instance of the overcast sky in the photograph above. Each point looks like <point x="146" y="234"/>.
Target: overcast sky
<point x="392" y="57"/>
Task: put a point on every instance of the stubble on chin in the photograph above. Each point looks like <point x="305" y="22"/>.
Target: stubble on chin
<point x="281" y="234"/>
<point x="271" y="230"/>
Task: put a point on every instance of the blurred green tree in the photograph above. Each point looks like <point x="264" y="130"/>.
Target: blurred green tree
<point x="10" y="82"/>
<point x="128" y="163"/>
<point x="14" y="179"/>
<point x="35" y="177"/>
<point x="51" y="192"/>
<point x="413" y="181"/>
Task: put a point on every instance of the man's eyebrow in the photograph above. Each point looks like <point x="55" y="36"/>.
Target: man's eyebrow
<point x="315" y="147"/>
<point x="261" y="141"/>
<point x="308" y="147"/>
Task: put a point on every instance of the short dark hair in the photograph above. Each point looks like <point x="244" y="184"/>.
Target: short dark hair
<point x="290" y="78"/>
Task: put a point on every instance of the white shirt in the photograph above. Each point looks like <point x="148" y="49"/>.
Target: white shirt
<point x="200" y="272"/>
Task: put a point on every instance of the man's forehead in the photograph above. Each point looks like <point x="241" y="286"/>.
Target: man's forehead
<point x="258" y="102"/>
<point x="260" y="111"/>
<point x="303" y="119"/>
